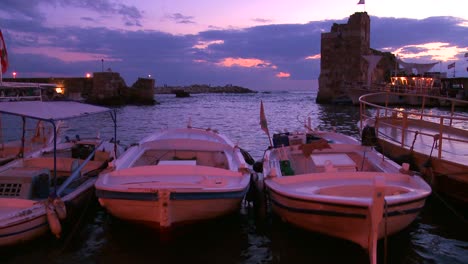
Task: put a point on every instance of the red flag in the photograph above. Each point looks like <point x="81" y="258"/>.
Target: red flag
<point x="3" y="54"/>
<point x="450" y="66"/>
<point x="263" y="121"/>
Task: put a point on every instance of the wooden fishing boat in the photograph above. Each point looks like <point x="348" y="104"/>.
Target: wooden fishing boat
<point x="433" y="141"/>
<point x="176" y="176"/>
<point x="328" y="183"/>
<point x="39" y="192"/>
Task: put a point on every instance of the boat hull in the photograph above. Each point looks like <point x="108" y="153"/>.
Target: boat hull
<point x="444" y="176"/>
<point x="163" y="208"/>
<point x="30" y="222"/>
<point x="343" y="210"/>
<point x="24" y="230"/>
<point x="434" y="142"/>
<point x="176" y="176"/>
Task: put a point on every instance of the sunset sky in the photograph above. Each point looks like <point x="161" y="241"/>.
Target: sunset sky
<point x="257" y="44"/>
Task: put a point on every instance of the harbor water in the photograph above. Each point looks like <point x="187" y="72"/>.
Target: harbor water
<point x="439" y="234"/>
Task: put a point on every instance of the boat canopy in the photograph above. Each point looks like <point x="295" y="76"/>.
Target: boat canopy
<point x="50" y="110"/>
<point x="20" y="85"/>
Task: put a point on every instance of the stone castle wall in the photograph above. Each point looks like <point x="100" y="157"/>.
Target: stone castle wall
<point x="342" y="61"/>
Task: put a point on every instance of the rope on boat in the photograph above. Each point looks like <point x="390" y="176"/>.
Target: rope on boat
<point x="428" y="163"/>
<point x="76" y="173"/>
<point x="446" y="204"/>
<point x="453" y="210"/>
<point x="77" y="224"/>
<point x="428" y="166"/>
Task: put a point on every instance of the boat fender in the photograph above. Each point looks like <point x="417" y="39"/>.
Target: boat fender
<point x="242" y="169"/>
<point x="272" y="173"/>
<point x="405" y="169"/>
<point x="247" y="157"/>
<point x="368" y="136"/>
<point x="52" y="219"/>
<point x="258" y="166"/>
<point x="60" y="208"/>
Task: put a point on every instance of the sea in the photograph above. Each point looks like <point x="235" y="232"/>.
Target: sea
<point x="252" y="235"/>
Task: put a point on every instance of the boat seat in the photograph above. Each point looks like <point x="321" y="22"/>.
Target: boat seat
<point x="178" y="162"/>
<point x="64" y="165"/>
<point x="101" y="155"/>
<point x="332" y="162"/>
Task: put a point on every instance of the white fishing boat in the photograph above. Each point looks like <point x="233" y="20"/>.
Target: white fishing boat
<point x="39" y="192"/>
<point x="176" y="176"/>
<point x="433" y="141"/>
<point x="328" y="183"/>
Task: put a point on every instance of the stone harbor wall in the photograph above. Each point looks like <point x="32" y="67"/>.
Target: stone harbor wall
<point x="104" y="88"/>
<point x="202" y="88"/>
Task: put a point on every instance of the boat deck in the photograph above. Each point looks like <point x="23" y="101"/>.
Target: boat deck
<point x="454" y="145"/>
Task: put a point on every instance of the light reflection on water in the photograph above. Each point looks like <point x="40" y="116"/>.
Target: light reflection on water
<point x="242" y="238"/>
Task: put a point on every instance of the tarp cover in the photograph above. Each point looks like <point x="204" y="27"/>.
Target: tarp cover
<point x="50" y="110"/>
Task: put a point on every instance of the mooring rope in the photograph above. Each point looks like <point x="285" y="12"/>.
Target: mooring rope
<point x="386" y="232"/>
<point x="77" y="224"/>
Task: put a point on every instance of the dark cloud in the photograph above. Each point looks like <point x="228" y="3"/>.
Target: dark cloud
<point x="393" y="32"/>
<point x="29" y="10"/>
<point x="173" y="59"/>
<point x="181" y="19"/>
<point x="130" y="15"/>
<point x="262" y="20"/>
<point x="278" y="41"/>
<point x="89" y="19"/>
<point x="22" y="9"/>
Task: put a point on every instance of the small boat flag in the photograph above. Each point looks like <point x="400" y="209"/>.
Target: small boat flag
<point x="450" y="66"/>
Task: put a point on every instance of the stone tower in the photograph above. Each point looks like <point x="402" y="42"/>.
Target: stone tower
<point x="341" y="56"/>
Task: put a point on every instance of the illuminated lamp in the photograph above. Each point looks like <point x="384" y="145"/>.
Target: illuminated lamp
<point x="59" y="90"/>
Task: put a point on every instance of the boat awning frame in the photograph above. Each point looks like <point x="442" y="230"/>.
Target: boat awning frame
<point x="50" y="110"/>
<point x="53" y="111"/>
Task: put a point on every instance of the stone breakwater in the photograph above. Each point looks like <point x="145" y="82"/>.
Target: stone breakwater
<point x="196" y="88"/>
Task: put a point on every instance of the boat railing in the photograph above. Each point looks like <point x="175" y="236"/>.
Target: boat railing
<point x="394" y="88"/>
<point x="443" y="123"/>
<point x="19" y="91"/>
